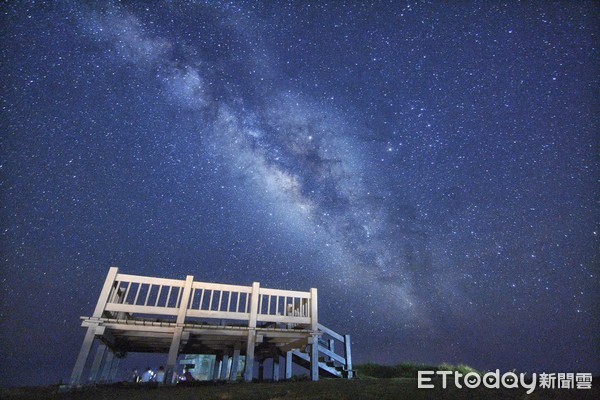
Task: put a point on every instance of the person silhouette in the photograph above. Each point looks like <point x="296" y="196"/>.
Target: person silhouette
<point x="148" y="376"/>
<point x="160" y="375"/>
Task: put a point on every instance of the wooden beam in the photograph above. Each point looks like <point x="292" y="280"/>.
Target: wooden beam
<point x="219" y="332"/>
<point x="251" y="343"/>
<point x="83" y="355"/>
<point x="139" y="328"/>
<point x="150" y="280"/>
<point x="284" y="293"/>
<point x="185" y="299"/>
<point x="141" y="334"/>
<point x="235" y="361"/>
<point x="314" y="310"/>
<point x="332" y="355"/>
<point x="288" y="365"/>
<point x="97" y="362"/>
<point x="217" y="367"/>
<point x="331" y="333"/>
<point x="225" y="367"/>
<point x="173" y="353"/>
<point x="218" y="315"/>
<point x="130" y="308"/>
<point x="285" y="319"/>
<point x="129" y="327"/>
<point x="254" y="304"/>
<point x="348" y="355"/>
<point x="314" y="359"/>
<point x="103" y="299"/>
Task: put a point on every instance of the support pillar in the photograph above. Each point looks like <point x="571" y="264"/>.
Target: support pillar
<point x="173" y="353"/>
<point x="217" y="367"/>
<point x="275" y="365"/>
<point x="314" y="359"/>
<point x="314" y="310"/>
<point x="331" y="344"/>
<point x="89" y="336"/>
<point x="225" y="367"/>
<point x="251" y="343"/>
<point x="235" y="361"/>
<point x="348" y="356"/>
<point x="176" y="342"/>
<point x="288" y="365"/>
<point x="249" y="367"/>
<point x="86" y="346"/>
<point x="314" y="347"/>
<point x="97" y="362"/>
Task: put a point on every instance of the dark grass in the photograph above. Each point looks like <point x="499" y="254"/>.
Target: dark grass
<point x="325" y="389"/>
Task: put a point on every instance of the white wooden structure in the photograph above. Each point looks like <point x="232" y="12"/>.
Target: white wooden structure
<point x="145" y="314"/>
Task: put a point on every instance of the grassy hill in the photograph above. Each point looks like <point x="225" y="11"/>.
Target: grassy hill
<point x="373" y="382"/>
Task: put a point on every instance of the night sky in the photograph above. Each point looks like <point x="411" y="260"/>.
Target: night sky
<point x="431" y="167"/>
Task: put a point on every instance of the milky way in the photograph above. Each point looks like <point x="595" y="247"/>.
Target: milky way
<point x="430" y="168"/>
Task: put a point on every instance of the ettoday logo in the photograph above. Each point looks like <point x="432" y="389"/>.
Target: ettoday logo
<point x="509" y="380"/>
<point x="471" y="380"/>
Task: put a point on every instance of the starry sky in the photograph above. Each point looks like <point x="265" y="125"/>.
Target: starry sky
<point x="431" y="167"/>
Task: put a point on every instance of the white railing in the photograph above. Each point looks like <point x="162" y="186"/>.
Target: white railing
<point x="128" y="295"/>
<point x="214" y="300"/>
<point x="145" y="295"/>
<point x="284" y="306"/>
<point x="336" y="348"/>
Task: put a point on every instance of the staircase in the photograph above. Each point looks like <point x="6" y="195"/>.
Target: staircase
<point x="334" y="361"/>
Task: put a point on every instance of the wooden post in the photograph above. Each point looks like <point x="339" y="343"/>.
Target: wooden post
<point x="176" y="341"/>
<point x="103" y="299"/>
<point x="86" y="346"/>
<point x="314" y="310"/>
<point x="173" y="353"/>
<point x="185" y="299"/>
<point x="97" y="362"/>
<point x="331" y="344"/>
<point x="275" y="365"/>
<point x="314" y="359"/>
<point x="225" y="367"/>
<point x="288" y="364"/>
<point x="249" y="367"/>
<point x="254" y="305"/>
<point x="217" y="367"/>
<point x="234" y="362"/>
<point x="91" y="332"/>
<point x="348" y="356"/>
<point x="314" y="347"/>
<point x="251" y="343"/>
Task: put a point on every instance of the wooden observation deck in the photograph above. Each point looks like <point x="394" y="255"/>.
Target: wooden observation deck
<point x="155" y="315"/>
